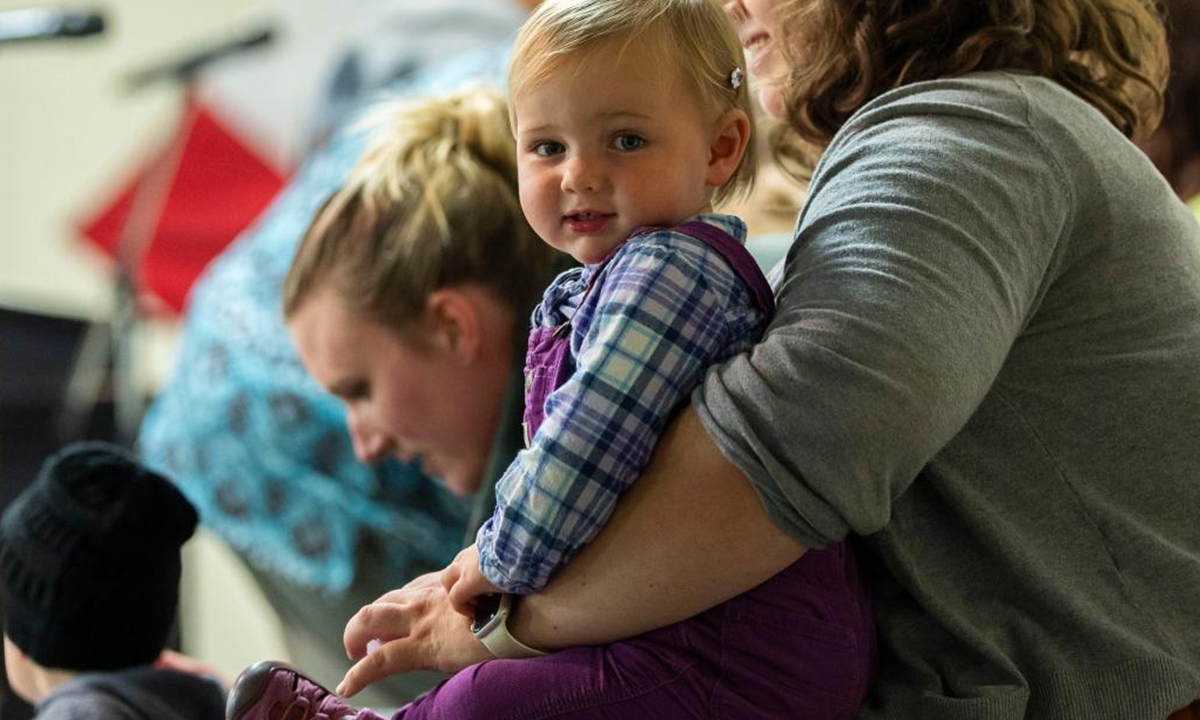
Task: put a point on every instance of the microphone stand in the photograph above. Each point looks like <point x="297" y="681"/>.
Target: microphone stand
<point x="36" y="24"/>
<point x="116" y="347"/>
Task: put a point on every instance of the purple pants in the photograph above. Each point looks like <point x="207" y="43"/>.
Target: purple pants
<point x="801" y="646"/>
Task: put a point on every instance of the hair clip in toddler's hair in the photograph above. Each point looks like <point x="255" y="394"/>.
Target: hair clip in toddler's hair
<point x="736" y="78"/>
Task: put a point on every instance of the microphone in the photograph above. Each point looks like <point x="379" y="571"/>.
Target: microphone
<point x="48" y="24"/>
<point x="183" y="69"/>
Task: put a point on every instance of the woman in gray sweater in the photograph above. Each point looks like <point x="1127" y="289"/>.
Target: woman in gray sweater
<point x="985" y="364"/>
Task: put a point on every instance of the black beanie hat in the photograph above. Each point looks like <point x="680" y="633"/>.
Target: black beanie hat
<point x="89" y="560"/>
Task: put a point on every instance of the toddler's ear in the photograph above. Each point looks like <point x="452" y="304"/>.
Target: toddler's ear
<point x="730" y="137"/>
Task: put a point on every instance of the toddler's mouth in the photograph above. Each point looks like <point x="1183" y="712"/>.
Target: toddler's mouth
<point x="587" y="215"/>
<point x="587" y="222"/>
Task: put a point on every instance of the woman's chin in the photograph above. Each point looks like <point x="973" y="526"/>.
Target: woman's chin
<point x="771" y="98"/>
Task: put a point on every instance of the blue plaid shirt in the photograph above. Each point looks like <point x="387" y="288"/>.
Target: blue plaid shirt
<point x="664" y="308"/>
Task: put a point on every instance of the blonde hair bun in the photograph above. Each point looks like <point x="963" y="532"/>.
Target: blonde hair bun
<point x="431" y="203"/>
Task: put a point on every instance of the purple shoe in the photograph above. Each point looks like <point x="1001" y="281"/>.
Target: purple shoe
<point x="272" y="690"/>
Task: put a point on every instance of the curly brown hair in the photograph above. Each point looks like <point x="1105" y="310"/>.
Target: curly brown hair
<point x="1111" y="53"/>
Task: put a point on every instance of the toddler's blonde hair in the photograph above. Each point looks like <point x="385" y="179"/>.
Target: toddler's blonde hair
<point x="431" y="204"/>
<point x="692" y="36"/>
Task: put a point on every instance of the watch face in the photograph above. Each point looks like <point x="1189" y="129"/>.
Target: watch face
<point x="486" y="607"/>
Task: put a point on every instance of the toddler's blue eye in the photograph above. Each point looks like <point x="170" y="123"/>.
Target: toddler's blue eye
<point x="547" y="148"/>
<point x="629" y="141"/>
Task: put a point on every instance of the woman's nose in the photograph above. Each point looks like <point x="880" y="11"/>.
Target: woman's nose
<point x="370" y="445"/>
<point x="735" y="9"/>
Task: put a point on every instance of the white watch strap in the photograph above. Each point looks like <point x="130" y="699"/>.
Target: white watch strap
<point x="500" y="642"/>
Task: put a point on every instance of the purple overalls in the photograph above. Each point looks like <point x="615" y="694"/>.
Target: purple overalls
<point x="800" y="646"/>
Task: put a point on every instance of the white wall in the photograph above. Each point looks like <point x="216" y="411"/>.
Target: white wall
<point x="69" y="133"/>
<point x="225" y="621"/>
<point x="69" y="136"/>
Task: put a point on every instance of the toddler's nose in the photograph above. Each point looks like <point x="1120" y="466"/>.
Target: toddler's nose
<point x="580" y="175"/>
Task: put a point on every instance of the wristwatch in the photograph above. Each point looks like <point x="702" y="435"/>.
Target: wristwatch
<point x="490" y="627"/>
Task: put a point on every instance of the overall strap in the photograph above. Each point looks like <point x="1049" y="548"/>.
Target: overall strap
<point x="738" y="257"/>
<point x="565" y="327"/>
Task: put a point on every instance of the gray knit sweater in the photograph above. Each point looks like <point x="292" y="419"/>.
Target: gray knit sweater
<point x="986" y="362"/>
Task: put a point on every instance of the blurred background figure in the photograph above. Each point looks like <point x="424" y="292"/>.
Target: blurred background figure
<point x="393" y="41"/>
<point x="1175" y="148"/>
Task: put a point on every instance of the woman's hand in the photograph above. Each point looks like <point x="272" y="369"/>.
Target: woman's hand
<point x="418" y="629"/>
<point x="464" y="581"/>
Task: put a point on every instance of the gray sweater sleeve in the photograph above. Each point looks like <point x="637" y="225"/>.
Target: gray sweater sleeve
<point x="927" y="239"/>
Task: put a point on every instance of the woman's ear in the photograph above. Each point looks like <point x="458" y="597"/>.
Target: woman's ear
<point x="453" y="324"/>
<point x="730" y="137"/>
